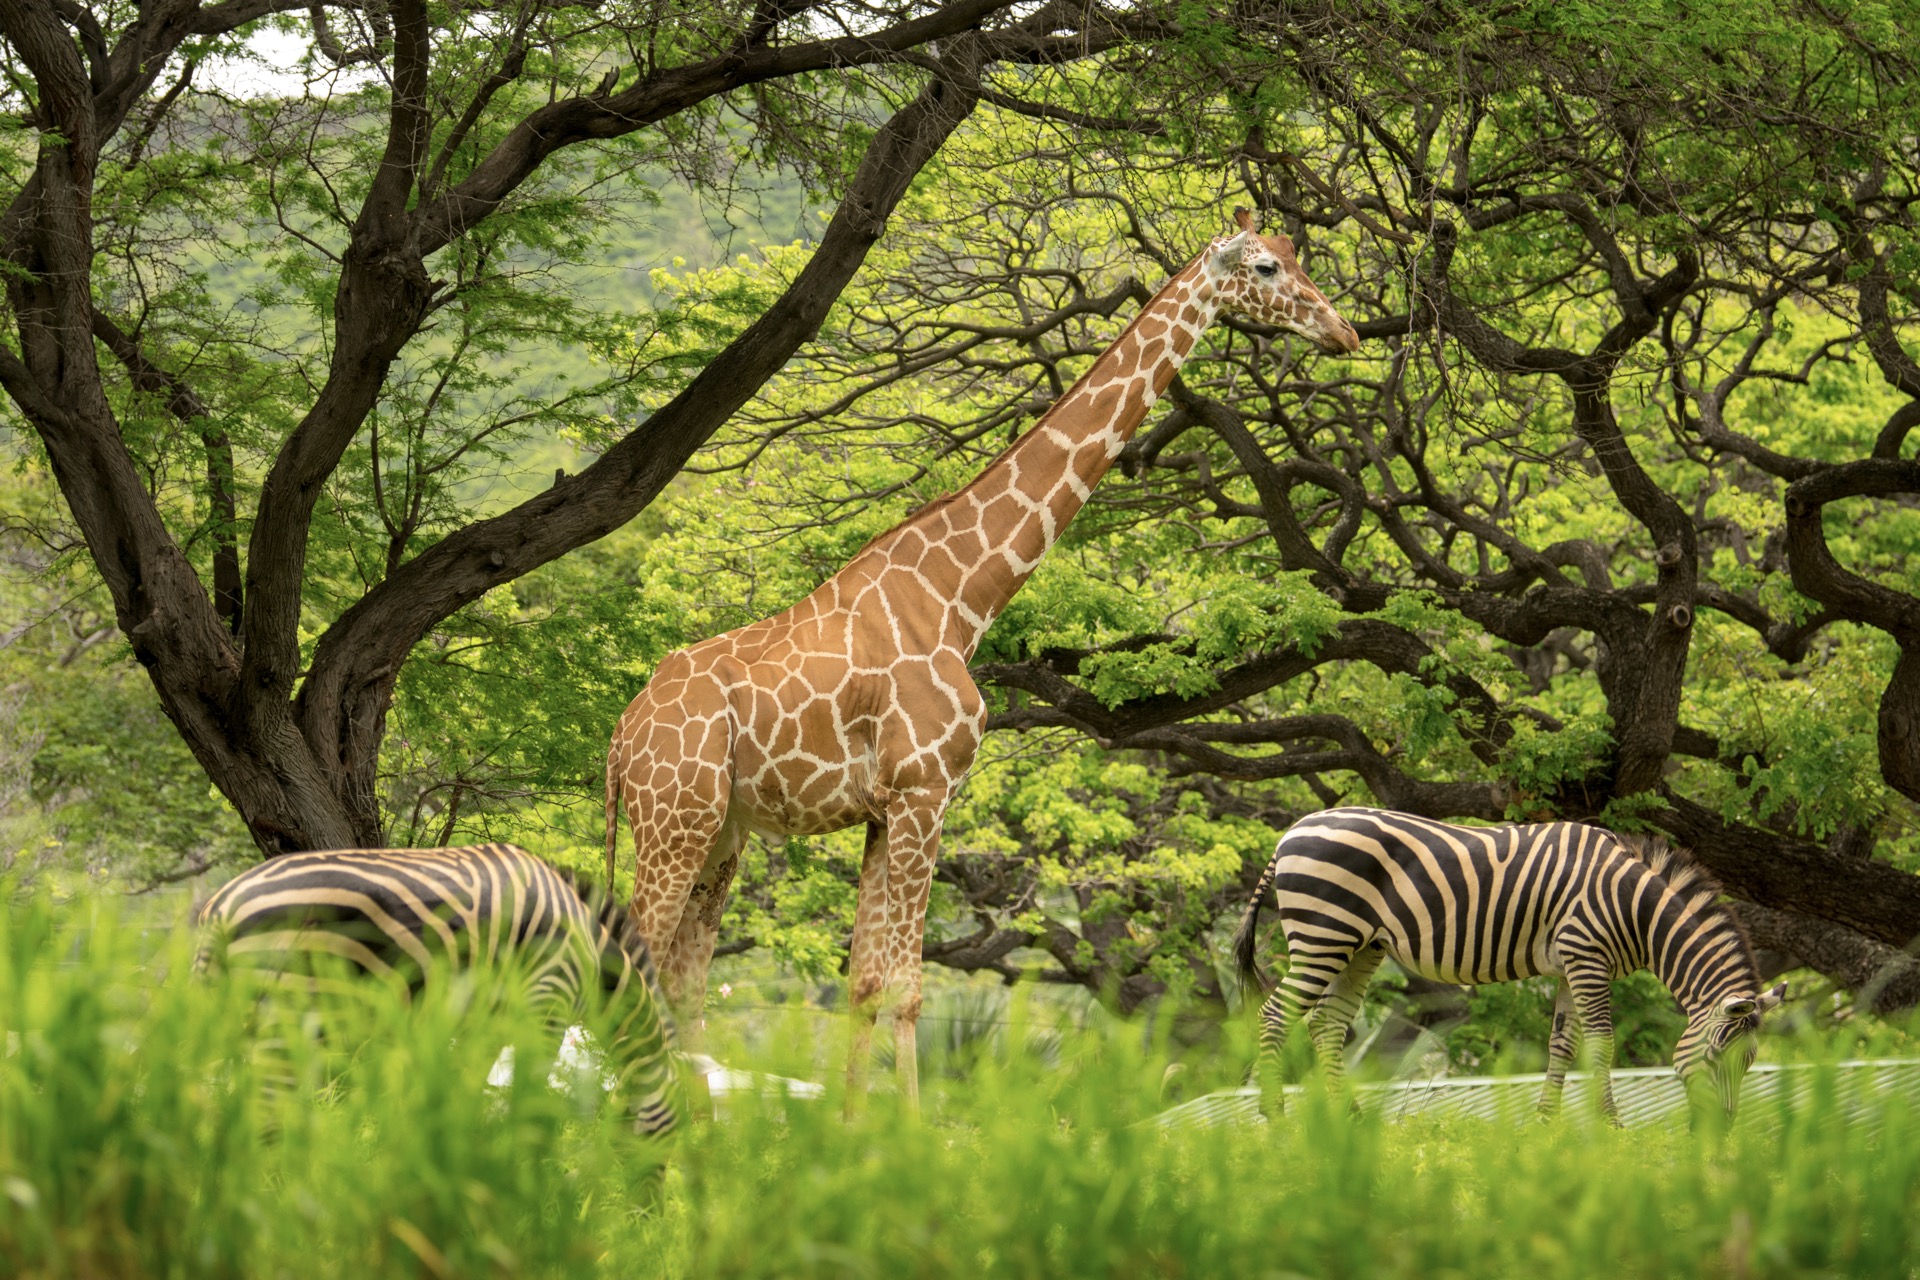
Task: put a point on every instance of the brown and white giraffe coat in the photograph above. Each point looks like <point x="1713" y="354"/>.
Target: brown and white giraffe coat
<point x="856" y="706"/>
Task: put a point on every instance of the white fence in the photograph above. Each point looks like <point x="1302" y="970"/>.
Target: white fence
<point x="1644" y="1095"/>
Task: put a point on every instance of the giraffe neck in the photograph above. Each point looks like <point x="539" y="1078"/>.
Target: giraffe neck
<point x="970" y="552"/>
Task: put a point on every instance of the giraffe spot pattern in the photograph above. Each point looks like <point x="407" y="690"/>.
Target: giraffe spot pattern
<point x="855" y="705"/>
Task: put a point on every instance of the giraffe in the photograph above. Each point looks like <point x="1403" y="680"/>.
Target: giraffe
<point x="855" y="705"/>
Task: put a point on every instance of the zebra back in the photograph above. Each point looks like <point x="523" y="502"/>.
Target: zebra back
<point x="1488" y="895"/>
<point x="393" y="913"/>
<point x="402" y="914"/>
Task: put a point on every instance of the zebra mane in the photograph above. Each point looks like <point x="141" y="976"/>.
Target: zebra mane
<point x="612" y="915"/>
<point x="1687" y="877"/>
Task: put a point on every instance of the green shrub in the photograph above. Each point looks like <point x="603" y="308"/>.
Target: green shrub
<point x="136" y="1140"/>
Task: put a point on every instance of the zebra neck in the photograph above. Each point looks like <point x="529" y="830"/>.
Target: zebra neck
<point x="1699" y="953"/>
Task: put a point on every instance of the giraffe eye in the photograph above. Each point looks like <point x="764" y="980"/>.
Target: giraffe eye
<point x="1266" y="268"/>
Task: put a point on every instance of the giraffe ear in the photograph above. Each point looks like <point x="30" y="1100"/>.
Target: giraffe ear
<point x="1228" y="255"/>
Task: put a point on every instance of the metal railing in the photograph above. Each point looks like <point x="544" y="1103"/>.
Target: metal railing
<point x="1643" y="1095"/>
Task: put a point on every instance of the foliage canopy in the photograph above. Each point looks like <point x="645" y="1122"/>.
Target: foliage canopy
<point x="1612" y="518"/>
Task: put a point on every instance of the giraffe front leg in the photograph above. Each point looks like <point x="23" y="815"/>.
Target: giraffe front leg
<point x="913" y="844"/>
<point x="866" y="976"/>
<point x="1560" y="1051"/>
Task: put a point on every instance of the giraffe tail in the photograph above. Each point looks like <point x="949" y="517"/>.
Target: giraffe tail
<point x="1246" y="939"/>
<point x="616" y="777"/>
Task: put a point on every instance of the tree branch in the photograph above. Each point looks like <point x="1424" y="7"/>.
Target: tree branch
<point x="1887" y="978"/>
<point x="1817" y="575"/>
<point x="185" y="404"/>
<point x="343" y="700"/>
<point x="662" y="94"/>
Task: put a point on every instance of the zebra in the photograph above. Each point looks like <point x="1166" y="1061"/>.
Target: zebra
<point x="1476" y="905"/>
<point x="403" y="914"/>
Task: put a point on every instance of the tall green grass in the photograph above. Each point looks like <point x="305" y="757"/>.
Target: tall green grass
<point x="135" y="1140"/>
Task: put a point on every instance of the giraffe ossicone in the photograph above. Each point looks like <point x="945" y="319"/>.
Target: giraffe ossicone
<point x="855" y="705"/>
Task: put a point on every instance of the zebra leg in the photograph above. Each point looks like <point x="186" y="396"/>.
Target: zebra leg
<point x="271" y="1033"/>
<point x="1331" y="1017"/>
<point x="1560" y="1050"/>
<point x="1590" y="984"/>
<point x="1277" y="1018"/>
<point x="1313" y="966"/>
<point x="648" y="1085"/>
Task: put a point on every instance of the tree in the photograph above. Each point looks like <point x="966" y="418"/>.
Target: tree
<point x="1612" y="519"/>
<point x="1635" y="288"/>
<point x="401" y="215"/>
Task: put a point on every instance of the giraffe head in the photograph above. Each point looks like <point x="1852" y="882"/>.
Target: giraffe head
<point x="1259" y="277"/>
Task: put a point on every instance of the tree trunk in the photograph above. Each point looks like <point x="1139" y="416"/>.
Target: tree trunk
<point x="297" y="752"/>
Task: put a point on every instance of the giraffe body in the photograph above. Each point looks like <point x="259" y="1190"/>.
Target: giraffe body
<point x="855" y="705"/>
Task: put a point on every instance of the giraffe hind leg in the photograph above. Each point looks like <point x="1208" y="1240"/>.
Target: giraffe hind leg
<point x="690" y="954"/>
<point x="677" y="794"/>
<point x="865" y="976"/>
<point x="666" y="884"/>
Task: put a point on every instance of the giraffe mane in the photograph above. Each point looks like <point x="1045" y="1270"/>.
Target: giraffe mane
<point x="926" y="508"/>
<point x="1687" y="877"/>
<point x="934" y="505"/>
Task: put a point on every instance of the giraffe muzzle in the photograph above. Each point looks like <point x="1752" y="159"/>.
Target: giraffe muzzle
<point x="1334" y="335"/>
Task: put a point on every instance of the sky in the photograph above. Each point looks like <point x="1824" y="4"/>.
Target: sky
<point x="274" y="69"/>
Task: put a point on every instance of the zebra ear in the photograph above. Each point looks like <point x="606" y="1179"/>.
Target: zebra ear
<point x="1772" y="999"/>
<point x="1739" y="1008"/>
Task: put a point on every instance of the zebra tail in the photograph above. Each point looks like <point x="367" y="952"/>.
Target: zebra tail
<point x="615" y="785"/>
<point x="1246" y="942"/>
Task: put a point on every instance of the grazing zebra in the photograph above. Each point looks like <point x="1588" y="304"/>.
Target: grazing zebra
<point x="402" y="914"/>
<point x="1492" y="904"/>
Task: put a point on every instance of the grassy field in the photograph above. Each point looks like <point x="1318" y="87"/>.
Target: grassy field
<point x="134" y="1141"/>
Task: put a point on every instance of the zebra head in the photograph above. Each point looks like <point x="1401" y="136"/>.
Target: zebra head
<point x="1719" y="1043"/>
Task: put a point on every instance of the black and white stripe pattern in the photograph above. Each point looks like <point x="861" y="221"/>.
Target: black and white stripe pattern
<point x="402" y="914"/>
<point x="1491" y="904"/>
